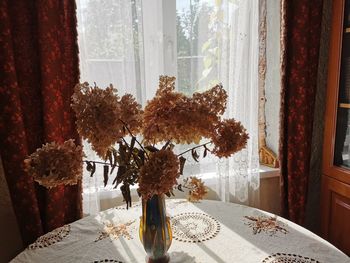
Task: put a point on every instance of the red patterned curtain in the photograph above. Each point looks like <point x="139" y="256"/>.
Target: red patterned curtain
<point x="38" y="70"/>
<point x="301" y="29"/>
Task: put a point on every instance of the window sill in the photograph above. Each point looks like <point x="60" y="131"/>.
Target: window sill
<point x="268" y="172"/>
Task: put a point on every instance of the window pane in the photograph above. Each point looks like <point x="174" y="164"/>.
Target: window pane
<point x="110" y="50"/>
<point x="197" y="47"/>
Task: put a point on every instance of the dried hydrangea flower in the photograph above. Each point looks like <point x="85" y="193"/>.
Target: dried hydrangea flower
<point x="172" y="116"/>
<point x="229" y="136"/>
<point x="55" y="164"/>
<point x="166" y="84"/>
<point x="99" y="113"/>
<point x="213" y="100"/>
<point x="159" y="174"/>
<point x="131" y="113"/>
<point x="197" y="189"/>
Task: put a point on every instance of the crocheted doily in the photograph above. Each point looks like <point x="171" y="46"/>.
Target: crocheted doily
<point x="108" y="260"/>
<point x="194" y="227"/>
<point x="288" y="258"/>
<point x="51" y="238"/>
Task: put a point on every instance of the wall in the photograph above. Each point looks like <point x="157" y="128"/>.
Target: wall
<point x="273" y="74"/>
<point x="270" y="185"/>
<point x="269" y="192"/>
<point x="10" y="240"/>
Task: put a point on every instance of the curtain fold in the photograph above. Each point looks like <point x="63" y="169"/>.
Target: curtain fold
<point x="38" y="71"/>
<point x="241" y="172"/>
<point x="301" y="29"/>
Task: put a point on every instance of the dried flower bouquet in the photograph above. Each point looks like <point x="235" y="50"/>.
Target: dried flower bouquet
<point x="128" y="139"/>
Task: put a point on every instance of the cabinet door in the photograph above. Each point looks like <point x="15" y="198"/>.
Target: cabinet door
<point x="336" y="213"/>
<point x="336" y="158"/>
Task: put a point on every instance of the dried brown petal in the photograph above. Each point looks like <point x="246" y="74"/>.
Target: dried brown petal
<point x="172" y="116"/>
<point x="197" y="189"/>
<point x="100" y="114"/>
<point x="229" y="136"/>
<point x="159" y="174"/>
<point x="56" y="164"/>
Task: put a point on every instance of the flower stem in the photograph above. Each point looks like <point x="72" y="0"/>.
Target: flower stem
<point x="99" y="163"/>
<point x="126" y="143"/>
<point x="193" y="148"/>
<point x="126" y="127"/>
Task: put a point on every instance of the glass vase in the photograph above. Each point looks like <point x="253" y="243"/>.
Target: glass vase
<point x="155" y="230"/>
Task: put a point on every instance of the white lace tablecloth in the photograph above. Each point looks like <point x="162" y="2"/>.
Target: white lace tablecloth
<point x="205" y="232"/>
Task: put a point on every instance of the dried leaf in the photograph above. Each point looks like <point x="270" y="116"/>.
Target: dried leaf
<point x="165" y="145"/>
<point x="88" y="166"/>
<point x="131" y="148"/>
<point x="179" y="187"/>
<point x="195" y="155"/>
<point x="151" y="148"/>
<point x="122" y="153"/>
<point x="205" y="152"/>
<point x="105" y="174"/>
<point x="182" y="163"/>
<point x="137" y="160"/>
<point x="121" y="171"/>
<point x="141" y="154"/>
<point x="126" y="177"/>
<point x="125" y="189"/>
<point x="113" y="167"/>
<point x="93" y="170"/>
<point x="110" y="158"/>
<point x="115" y="156"/>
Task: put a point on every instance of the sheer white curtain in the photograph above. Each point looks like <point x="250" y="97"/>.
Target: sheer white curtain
<point x="239" y="175"/>
<point x="131" y="42"/>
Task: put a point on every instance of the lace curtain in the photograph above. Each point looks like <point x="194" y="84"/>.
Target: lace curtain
<point x="131" y="42"/>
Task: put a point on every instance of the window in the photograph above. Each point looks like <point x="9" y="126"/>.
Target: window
<point x="202" y="42"/>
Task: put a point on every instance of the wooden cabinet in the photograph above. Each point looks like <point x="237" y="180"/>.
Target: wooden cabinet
<point x="335" y="195"/>
<point x="336" y="213"/>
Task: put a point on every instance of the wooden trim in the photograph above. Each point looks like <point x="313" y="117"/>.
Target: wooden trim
<point x="332" y="94"/>
<point x="262" y="75"/>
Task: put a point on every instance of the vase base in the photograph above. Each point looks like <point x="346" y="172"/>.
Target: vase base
<point x="164" y="259"/>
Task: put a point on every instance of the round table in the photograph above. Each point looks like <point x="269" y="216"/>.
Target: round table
<point x="209" y="231"/>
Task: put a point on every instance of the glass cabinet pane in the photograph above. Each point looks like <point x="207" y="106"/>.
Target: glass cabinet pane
<point x="342" y="140"/>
